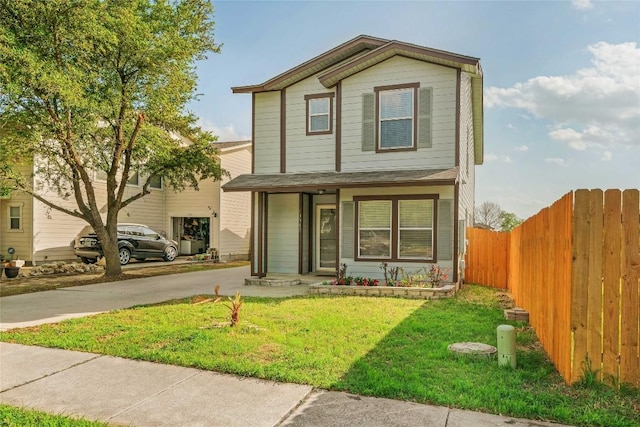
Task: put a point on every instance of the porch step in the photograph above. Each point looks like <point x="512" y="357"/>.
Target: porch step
<point x="271" y="281"/>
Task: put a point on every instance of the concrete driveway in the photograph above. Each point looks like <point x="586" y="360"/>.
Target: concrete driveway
<point x="52" y="306"/>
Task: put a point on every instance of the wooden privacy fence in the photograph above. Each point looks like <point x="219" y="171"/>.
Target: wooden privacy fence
<point x="575" y="267"/>
<point x="487" y="258"/>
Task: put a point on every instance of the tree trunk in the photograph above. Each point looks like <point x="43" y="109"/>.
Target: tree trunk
<point x="112" y="269"/>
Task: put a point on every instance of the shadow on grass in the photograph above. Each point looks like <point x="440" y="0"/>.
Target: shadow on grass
<point x="413" y="363"/>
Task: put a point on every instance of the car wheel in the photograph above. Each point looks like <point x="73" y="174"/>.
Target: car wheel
<point x="170" y="253"/>
<point x="89" y="260"/>
<point x="125" y="256"/>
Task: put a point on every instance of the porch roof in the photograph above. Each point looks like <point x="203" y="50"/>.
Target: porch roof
<point x="296" y="182"/>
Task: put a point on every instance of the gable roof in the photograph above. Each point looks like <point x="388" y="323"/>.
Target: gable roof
<point x="229" y="145"/>
<point x="364" y="52"/>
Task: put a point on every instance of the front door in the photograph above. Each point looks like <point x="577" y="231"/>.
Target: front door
<point x="325" y="238"/>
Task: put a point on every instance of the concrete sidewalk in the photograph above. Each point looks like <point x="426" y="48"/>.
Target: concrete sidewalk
<point x="129" y="392"/>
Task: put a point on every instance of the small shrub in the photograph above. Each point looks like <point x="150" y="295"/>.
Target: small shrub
<point x="233" y="305"/>
<point x="436" y="275"/>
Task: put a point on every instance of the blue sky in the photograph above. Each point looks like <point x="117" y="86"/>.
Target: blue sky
<point x="561" y="80"/>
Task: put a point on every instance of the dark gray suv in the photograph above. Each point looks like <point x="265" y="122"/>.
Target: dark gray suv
<point x="134" y="241"/>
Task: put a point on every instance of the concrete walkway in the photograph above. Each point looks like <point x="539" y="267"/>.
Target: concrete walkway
<point x="129" y="392"/>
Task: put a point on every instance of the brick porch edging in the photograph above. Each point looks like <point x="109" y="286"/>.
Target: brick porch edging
<point x="445" y="291"/>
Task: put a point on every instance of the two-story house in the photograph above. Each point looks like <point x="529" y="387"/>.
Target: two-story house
<point x="362" y="155"/>
<point x="197" y="220"/>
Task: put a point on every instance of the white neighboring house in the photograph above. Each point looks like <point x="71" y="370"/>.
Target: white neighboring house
<point x="362" y="155"/>
<point x="198" y="220"/>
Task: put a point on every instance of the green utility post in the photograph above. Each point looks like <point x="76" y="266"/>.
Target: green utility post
<point x="506" y="346"/>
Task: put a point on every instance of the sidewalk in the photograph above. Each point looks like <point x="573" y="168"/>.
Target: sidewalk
<point x="129" y="392"/>
<point x="136" y="393"/>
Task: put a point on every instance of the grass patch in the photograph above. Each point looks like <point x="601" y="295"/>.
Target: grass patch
<point x="12" y="417"/>
<point x="394" y="348"/>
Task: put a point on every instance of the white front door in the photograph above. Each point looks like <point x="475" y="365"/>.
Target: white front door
<point x="325" y="238"/>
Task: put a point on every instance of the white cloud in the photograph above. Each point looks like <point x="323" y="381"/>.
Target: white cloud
<point x="224" y="133"/>
<point x="522" y="148"/>
<point x="606" y="156"/>
<point x="582" y="4"/>
<point x="493" y="157"/>
<point x="594" y="107"/>
<point x="510" y="126"/>
<point x="557" y="161"/>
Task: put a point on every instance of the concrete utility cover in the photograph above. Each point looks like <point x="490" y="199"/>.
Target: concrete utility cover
<point x="477" y="348"/>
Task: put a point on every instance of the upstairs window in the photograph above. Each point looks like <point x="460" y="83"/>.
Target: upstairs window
<point x="396" y="117"/>
<point x="319" y="113"/>
<point x="156" y="182"/>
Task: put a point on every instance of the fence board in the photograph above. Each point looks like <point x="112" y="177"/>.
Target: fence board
<point x="629" y="357"/>
<point x="594" y="303"/>
<point x="580" y="282"/>
<point x="611" y="270"/>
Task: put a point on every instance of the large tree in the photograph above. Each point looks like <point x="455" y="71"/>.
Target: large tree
<point x="488" y="215"/>
<point x="101" y="87"/>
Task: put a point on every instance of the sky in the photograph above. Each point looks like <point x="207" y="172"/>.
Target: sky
<point x="561" y="80"/>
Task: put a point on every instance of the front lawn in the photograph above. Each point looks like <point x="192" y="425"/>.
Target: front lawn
<point x="384" y="347"/>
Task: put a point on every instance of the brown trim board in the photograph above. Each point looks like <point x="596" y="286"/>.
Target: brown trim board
<point x="456" y="261"/>
<point x="253" y="132"/>
<point x="458" y="100"/>
<point x="338" y="126"/>
<point x="252" y="237"/>
<point x="283" y="131"/>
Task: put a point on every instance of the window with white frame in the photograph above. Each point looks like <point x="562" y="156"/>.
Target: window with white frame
<point x="319" y="113"/>
<point x="396" y="116"/>
<point x="156" y="182"/>
<point x="398" y="228"/>
<point x="15" y="217"/>
<point x="134" y="178"/>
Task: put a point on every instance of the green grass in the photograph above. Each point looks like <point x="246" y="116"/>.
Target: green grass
<point x="14" y="417"/>
<point x="384" y="347"/>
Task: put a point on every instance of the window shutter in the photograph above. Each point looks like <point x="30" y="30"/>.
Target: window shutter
<point x="346" y="214"/>
<point x="445" y="230"/>
<point x="425" y="100"/>
<point x="368" y="122"/>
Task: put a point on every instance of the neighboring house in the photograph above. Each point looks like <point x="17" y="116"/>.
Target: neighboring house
<point x="363" y="155"/>
<point x="198" y="220"/>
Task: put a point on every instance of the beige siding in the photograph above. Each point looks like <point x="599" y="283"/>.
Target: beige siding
<point x="282" y="233"/>
<point x="313" y="153"/>
<point x="54" y="232"/>
<point x="20" y="240"/>
<point x="372" y="268"/>
<point x="267" y="132"/>
<point x="234" y="217"/>
<point x="191" y="203"/>
<point x="399" y="70"/>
